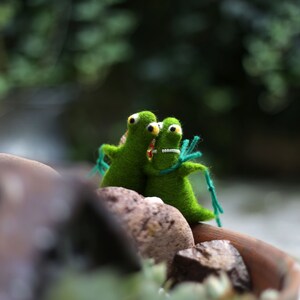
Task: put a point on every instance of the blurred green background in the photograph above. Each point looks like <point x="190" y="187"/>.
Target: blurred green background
<point x="72" y="71"/>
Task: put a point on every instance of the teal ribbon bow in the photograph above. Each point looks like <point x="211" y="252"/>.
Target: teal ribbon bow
<point x="214" y="200"/>
<point x="185" y="154"/>
<point x="101" y="166"/>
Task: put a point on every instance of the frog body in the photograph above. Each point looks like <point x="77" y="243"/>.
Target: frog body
<point x="174" y="187"/>
<point x="128" y="160"/>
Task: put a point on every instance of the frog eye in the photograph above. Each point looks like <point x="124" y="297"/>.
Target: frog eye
<point x="133" y="119"/>
<point x="175" y="128"/>
<point x="160" y="125"/>
<point x="153" y="128"/>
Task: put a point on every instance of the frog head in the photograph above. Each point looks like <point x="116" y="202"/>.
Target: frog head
<point x="142" y="128"/>
<point x="167" y="145"/>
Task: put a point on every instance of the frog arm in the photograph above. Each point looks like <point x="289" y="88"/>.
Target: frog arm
<point x="110" y="150"/>
<point x="190" y="167"/>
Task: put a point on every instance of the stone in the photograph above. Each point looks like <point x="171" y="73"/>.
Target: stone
<point x="20" y="164"/>
<point x="211" y="258"/>
<point x="97" y="235"/>
<point x="26" y="217"/>
<point x="158" y="230"/>
<point x="46" y="221"/>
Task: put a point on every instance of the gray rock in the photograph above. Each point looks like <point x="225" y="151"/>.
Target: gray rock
<point x="47" y="222"/>
<point x="158" y="230"/>
<point x="211" y="258"/>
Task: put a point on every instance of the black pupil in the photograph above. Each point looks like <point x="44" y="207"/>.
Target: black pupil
<point x="132" y="120"/>
<point x="172" y="129"/>
<point x="150" y="128"/>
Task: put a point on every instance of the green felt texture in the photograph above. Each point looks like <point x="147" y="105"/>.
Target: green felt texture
<point x="127" y="161"/>
<point x="174" y="188"/>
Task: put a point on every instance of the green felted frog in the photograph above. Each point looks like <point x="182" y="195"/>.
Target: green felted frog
<point x="168" y="179"/>
<point x="128" y="160"/>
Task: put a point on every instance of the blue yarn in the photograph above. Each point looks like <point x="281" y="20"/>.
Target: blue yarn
<point x="215" y="203"/>
<point x="185" y="154"/>
<point x="194" y="143"/>
<point x="101" y="166"/>
<point x="184" y="146"/>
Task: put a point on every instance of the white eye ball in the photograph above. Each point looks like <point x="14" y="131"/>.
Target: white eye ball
<point x="175" y="128"/>
<point x="133" y="119"/>
<point x="160" y="125"/>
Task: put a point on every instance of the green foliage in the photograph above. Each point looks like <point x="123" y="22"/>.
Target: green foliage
<point x="273" y="52"/>
<point x="55" y="42"/>
<point x="220" y="100"/>
<point x="6" y="13"/>
<point x="109" y="285"/>
<point x="210" y="50"/>
<point x="225" y="68"/>
<point x="145" y="285"/>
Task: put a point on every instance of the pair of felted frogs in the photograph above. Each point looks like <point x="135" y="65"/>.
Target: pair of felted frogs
<point x="165" y="174"/>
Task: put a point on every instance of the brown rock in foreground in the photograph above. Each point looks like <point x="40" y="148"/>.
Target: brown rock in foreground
<point x="46" y="221"/>
<point x="13" y="163"/>
<point x="211" y="258"/>
<point x="158" y="230"/>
